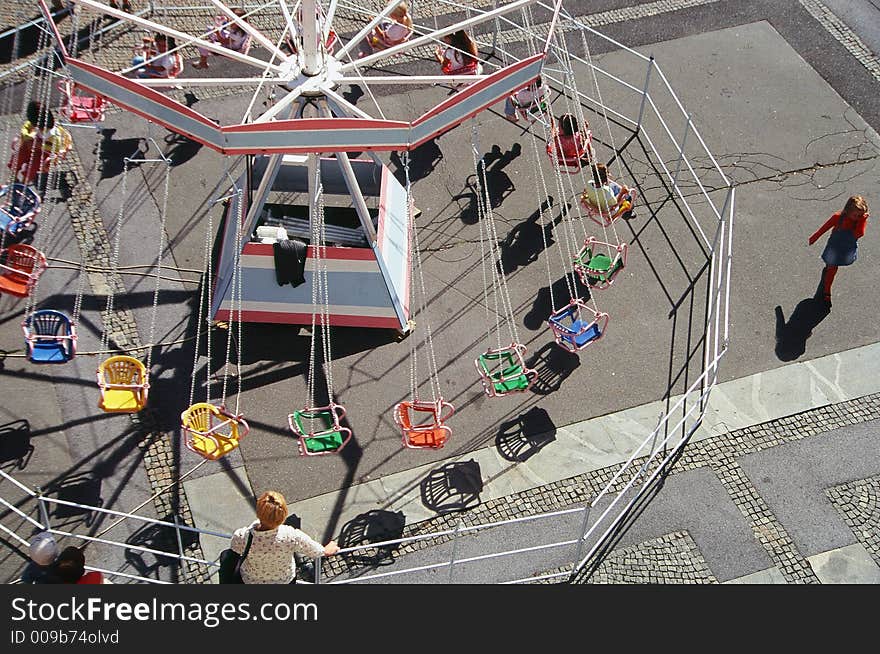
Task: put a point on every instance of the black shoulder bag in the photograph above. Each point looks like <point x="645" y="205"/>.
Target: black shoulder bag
<point x="230" y="562"/>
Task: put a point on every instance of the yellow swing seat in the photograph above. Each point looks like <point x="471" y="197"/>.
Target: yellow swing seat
<point x="124" y="385"/>
<point x="211" y="431"/>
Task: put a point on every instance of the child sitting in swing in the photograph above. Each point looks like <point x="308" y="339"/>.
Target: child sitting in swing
<point x="40" y="143"/>
<point x="394" y="30"/>
<point x="608" y="198"/>
<point x="163" y="64"/>
<point x="227" y="33"/>
<point x="460" y="57"/>
<point x="569" y="145"/>
<point x="531" y="101"/>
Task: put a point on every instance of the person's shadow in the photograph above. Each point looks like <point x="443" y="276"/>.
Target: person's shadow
<point x="791" y="336"/>
<point x="527" y="240"/>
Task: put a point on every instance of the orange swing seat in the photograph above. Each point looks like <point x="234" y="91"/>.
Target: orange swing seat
<point x="424" y="423"/>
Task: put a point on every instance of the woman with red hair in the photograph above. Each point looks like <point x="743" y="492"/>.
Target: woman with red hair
<point x="847" y="227"/>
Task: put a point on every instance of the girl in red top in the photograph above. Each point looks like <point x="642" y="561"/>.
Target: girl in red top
<point x="841" y="249"/>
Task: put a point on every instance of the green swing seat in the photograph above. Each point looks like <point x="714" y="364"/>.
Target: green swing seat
<point x="597" y="268"/>
<point x="503" y="371"/>
<point x="319" y="430"/>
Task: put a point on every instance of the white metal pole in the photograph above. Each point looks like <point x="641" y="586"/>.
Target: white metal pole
<point x="44" y="514"/>
<point x="645" y="93"/>
<point x="454" y="548"/>
<point x="357" y="197"/>
<point x="312" y="56"/>
<point x="585" y="524"/>
<point x="687" y="129"/>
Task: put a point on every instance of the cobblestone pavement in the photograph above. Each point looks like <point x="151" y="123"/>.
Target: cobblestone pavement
<point x="95" y="247"/>
<point x="859" y="504"/>
<point x="718" y="452"/>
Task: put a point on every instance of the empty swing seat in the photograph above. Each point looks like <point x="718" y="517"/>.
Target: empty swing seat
<point x="319" y="429"/>
<point x="211" y="431"/>
<point x="79" y="106"/>
<point x="576" y="326"/>
<point x="19" y="205"/>
<point x="423" y="423"/>
<point x="20" y="268"/>
<point x="598" y="269"/>
<point x="124" y="385"/>
<point x="50" y="337"/>
<point x="503" y="371"/>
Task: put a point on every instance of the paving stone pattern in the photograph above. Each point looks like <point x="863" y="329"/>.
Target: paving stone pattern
<point x="859" y="504"/>
<point x="719" y="452"/>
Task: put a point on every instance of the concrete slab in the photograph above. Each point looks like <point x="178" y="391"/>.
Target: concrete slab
<point x="220" y="503"/>
<point x="792" y="479"/>
<point x="614" y="438"/>
<point x="768" y="576"/>
<point x="845" y="565"/>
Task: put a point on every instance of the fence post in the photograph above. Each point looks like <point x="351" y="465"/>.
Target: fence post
<point x="687" y="129"/>
<point x="44" y="513"/>
<point x="497" y="28"/>
<point x="645" y="94"/>
<point x="584" y="525"/>
<point x="454" y="549"/>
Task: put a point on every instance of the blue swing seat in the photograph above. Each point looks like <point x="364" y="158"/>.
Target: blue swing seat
<point x="19" y="205"/>
<point x="50" y="337"/>
<point x="571" y="331"/>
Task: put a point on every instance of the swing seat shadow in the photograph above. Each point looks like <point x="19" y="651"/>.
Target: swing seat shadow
<point x="546" y="302"/>
<point x="553" y="365"/>
<point x="525" y="242"/>
<point x="374" y="526"/>
<point x="452" y="487"/>
<point x="15" y="444"/>
<point x="792" y="336"/>
<point x="523" y="437"/>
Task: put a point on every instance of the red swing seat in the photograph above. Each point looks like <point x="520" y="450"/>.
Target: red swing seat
<point x="20" y="267"/>
<point x="424" y="423"/>
<point x="471" y="67"/>
<point x="79" y="106"/>
<point x="572" y="161"/>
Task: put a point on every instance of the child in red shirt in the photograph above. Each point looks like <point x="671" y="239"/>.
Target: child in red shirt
<point x="847" y="227"/>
